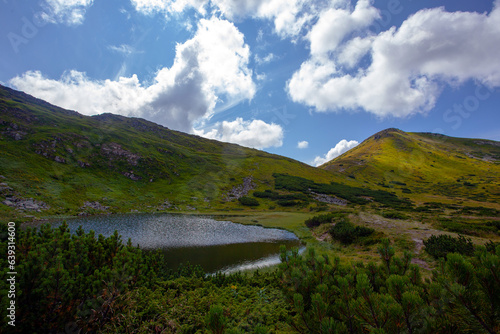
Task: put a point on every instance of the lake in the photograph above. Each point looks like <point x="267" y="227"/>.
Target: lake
<point x="215" y="245"/>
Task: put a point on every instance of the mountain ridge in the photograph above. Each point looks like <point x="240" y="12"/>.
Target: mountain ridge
<point x="426" y="163"/>
<point x="52" y="157"/>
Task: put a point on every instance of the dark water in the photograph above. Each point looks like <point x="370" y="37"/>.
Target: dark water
<point x="215" y="245"/>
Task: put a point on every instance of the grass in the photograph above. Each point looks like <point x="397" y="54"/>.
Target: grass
<point x="186" y="170"/>
<point x="409" y="164"/>
<point x="193" y="174"/>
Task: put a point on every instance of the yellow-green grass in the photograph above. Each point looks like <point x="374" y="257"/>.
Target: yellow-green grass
<point x="426" y="167"/>
<point x="186" y="170"/>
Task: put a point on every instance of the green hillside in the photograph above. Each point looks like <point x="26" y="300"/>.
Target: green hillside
<point x="425" y="166"/>
<point x="54" y="161"/>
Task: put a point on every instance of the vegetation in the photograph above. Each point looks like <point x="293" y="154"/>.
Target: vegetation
<point x="248" y="201"/>
<point x="99" y="284"/>
<point x="327" y="218"/>
<point x="352" y="194"/>
<point x="394" y="215"/>
<point x="410" y="163"/>
<point x="347" y="233"/>
<point x="61" y="161"/>
<point x="64" y="163"/>
<point x="441" y="245"/>
<point x="391" y="297"/>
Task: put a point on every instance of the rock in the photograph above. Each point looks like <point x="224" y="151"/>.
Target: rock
<point x="241" y="190"/>
<point x="83" y="164"/>
<point x="164" y="206"/>
<point x="328" y="199"/>
<point x="22" y="204"/>
<point x="132" y="176"/>
<point x="115" y="151"/>
<point x="4" y="188"/>
<point x="96" y="206"/>
<point x="59" y="159"/>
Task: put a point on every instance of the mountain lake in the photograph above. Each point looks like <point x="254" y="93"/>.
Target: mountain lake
<point x="214" y="245"/>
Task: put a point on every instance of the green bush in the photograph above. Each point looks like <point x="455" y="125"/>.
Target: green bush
<point x="248" y="201"/>
<point x="287" y="202"/>
<point x="352" y="194"/>
<point x="323" y="219"/>
<point x="394" y="215"/>
<point x="347" y="233"/>
<point x="439" y="246"/>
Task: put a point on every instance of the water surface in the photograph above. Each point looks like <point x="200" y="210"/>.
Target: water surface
<point x="215" y="245"/>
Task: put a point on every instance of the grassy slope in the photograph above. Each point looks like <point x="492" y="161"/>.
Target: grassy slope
<point x="433" y="167"/>
<point x="193" y="171"/>
<point x="186" y="170"/>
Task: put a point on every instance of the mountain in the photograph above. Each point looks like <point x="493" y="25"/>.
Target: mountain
<point x="57" y="161"/>
<point x="425" y="166"/>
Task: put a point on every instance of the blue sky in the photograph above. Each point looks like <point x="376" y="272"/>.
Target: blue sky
<point x="268" y="74"/>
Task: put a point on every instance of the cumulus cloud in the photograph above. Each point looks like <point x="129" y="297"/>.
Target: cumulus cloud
<point x="302" y="144"/>
<point x="209" y="69"/>
<point x="69" y="12"/>
<point x="256" y="133"/>
<point x="335" y="24"/>
<point x="339" y="149"/>
<point x="289" y="16"/>
<point x="408" y="67"/>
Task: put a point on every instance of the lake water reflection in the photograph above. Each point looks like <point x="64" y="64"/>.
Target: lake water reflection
<point x="215" y="245"/>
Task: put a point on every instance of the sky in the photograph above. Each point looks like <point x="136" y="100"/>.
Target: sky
<point x="304" y="79"/>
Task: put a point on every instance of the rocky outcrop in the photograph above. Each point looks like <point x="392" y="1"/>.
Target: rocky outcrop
<point x="328" y="199"/>
<point x="14" y="130"/>
<point x="115" y="151"/>
<point x="28" y="204"/>
<point x="91" y="208"/>
<point x="240" y="190"/>
<point x="132" y="176"/>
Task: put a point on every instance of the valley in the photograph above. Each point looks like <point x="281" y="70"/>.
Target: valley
<point x="373" y="213"/>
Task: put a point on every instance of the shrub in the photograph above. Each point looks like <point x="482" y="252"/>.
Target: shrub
<point x="323" y="219"/>
<point x="215" y="319"/>
<point x="394" y="215"/>
<point x="248" y="201"/>
<point x="287" y="202"/>
<point x="347" y="233"/>
<point x="439" y="246"/>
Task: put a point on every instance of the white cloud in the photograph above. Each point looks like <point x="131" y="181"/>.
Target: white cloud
<point x="409" y="66"/>
<point x="302" y="144"/>
<point x="70" y="12"/>
<point x="169" y="7"/>
<point x="339" y="149"/>
<point x="289" y="16"/>
<point x="256" y="133"/>
<point x="210" y="69"/>
<point x="335" y="24"/>
<point x="124" y="49"/>
<point x="267" y="59"/>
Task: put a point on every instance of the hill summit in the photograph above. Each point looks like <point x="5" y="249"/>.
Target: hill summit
<point x="425" y="166"/>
